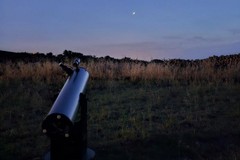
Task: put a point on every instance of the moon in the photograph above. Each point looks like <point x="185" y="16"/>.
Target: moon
<point x="133" y="13"/>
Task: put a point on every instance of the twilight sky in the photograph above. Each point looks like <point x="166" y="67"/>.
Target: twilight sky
<point x="142" y="29"/>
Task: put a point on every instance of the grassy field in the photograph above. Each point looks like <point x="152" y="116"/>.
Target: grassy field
<point x="135" y="111"/>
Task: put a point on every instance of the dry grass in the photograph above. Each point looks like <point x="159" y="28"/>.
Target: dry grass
<point x="203" y="72"/>
<point x="46" y="71"/>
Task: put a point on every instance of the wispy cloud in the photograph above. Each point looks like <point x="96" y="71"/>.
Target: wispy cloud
<point x="204" y="39"/>
<point x="235" y="31"/>
<point x="173" y="37"/>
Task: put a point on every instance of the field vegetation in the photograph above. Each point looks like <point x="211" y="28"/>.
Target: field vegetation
<point x="163" y="109"/>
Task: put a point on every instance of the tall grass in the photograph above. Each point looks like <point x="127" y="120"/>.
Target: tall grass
<point x="46" y="71"/>
<point x="203" y="72"/>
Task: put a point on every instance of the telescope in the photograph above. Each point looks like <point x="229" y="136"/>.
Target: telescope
<point x="66" y="122"/>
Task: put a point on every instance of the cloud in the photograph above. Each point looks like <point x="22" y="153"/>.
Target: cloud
<point x="198" y="38"/>
<point x="235" y="31"/>
<point x="204" y="39"/>
<point x="205" y="51"/>
<point x="173" y="37"/>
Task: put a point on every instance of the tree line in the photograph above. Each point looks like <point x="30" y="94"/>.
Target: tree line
<point x="214" y="61"/>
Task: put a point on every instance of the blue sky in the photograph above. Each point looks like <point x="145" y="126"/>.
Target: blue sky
<point x="159" y="29"/>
